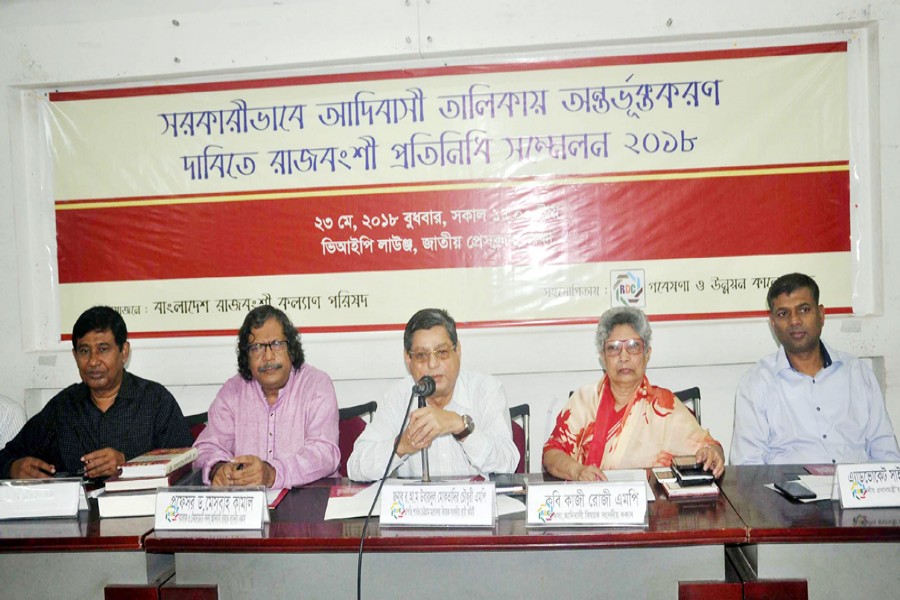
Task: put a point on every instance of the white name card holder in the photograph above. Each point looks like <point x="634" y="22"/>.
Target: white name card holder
<point x="869" y="485"/>
<point x="438" y="504"/>
<point x="586" y="504"/>
<point x="211" y="508"/>
<point x="41" y="498"/>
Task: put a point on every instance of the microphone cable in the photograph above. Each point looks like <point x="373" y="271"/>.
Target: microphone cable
<point x="387" y="469"/>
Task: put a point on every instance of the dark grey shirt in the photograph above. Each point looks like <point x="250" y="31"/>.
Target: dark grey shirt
<point x="145" y="416"/>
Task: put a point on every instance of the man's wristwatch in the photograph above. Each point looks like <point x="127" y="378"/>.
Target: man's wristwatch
<point x="470" y="427"/>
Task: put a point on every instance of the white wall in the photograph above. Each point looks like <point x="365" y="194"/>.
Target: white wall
<point x="60" y="44"/>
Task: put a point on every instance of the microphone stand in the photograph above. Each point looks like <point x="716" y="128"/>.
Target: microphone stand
<point x="425" y="476"/>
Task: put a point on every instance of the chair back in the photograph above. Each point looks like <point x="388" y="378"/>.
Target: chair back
<point x="691" y="399"/>
<point x="196" y="424"/>
<point x="520" y="433"/>
<point x="350" y="425"/>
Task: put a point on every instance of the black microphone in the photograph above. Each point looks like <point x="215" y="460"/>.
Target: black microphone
<point x="425" y="387"/>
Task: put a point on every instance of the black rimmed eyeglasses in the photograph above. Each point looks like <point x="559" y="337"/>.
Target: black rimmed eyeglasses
<point x="260" y="347"/>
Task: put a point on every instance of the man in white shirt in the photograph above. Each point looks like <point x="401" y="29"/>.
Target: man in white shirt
<point x="465" y="425"/>
<point x="12" y="419"/>
<point x="808" y="403"/>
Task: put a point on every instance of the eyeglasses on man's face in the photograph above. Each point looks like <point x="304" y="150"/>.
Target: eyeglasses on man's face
<point x="259" y="348"/>
<point x="632" y="346"/>
<point x="423" y="356"/>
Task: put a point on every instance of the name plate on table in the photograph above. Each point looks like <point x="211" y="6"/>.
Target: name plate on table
<point x="40" y="498"/>
<point x="598" y="504"/>
<point x="869" y="485"/>
<point x="211" y="508"/>
<point x="459" y="504"/>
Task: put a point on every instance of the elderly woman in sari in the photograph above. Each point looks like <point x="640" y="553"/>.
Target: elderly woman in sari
<point x="623" y="422"/>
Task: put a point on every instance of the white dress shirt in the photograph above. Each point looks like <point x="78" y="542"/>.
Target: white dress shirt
<point x="488" y="449"/>
<point x="12" y="419"/>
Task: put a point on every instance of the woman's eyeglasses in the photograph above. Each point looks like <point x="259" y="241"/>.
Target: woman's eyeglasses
<point x="632" y="346"/>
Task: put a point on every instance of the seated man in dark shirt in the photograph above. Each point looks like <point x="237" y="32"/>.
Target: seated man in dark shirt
<point x="94" y="426"/>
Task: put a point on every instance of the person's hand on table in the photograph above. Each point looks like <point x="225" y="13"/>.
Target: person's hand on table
<point x="30" y="467"/>
<point x="102" y="463"/>
<point x="246" y="470"/>
<point x="712" y="458"/>
<point x="588" y="473"/>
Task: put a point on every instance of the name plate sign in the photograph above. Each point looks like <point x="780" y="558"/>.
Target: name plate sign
<point x="206" y="508"/>
<point x="869" y="484"/>
<point x="581" y="504"/>
<point x="459" y="504"/>
<point x="41" y="498"/>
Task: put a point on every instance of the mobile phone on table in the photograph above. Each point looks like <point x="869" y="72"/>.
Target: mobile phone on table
<point x="795" y="490"/>
<point x="689" y="472"/>
<point x="69" y="474"/>
<point x="688" y="461"/>
<point x="664" y="474"/>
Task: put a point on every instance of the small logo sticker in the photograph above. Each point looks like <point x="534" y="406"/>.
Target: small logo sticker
<point x="628" y="288"/>
<point x="859" y="490"/>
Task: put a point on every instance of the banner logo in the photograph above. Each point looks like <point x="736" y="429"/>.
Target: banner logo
<point x="628" y="288"/>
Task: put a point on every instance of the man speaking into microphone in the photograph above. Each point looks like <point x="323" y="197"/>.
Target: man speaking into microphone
<point x="464" y="424"/>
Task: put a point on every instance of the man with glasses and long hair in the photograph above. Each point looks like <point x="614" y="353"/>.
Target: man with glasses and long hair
<point x="275" y="423"/>
<point x="465" y="424"/>
<point x="623" y="422"/>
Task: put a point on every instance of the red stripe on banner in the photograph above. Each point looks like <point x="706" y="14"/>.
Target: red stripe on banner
<point x="529" y="65"/>
<point x="554" y="223"/>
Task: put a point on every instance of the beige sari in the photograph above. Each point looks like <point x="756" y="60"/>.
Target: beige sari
<point x="652" y="428"/>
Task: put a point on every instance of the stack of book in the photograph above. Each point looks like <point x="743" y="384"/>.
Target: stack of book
<point x="132" y="493"/>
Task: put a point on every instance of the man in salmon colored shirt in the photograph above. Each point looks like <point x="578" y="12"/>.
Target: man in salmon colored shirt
<point x="275" y="423"/>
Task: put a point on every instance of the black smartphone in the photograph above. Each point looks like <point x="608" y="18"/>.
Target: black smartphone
<point x="795" y="490"/>
<point x="689" y="472"/>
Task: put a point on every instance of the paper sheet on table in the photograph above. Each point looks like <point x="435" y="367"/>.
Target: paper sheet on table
<point x="825" y="486"/>
<point x="631" y="475"/>
<point x="821" y="485"/>
<point x="507" y="505"/>
<point x="349" y="507"/>
<point x="357" y="505"/>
